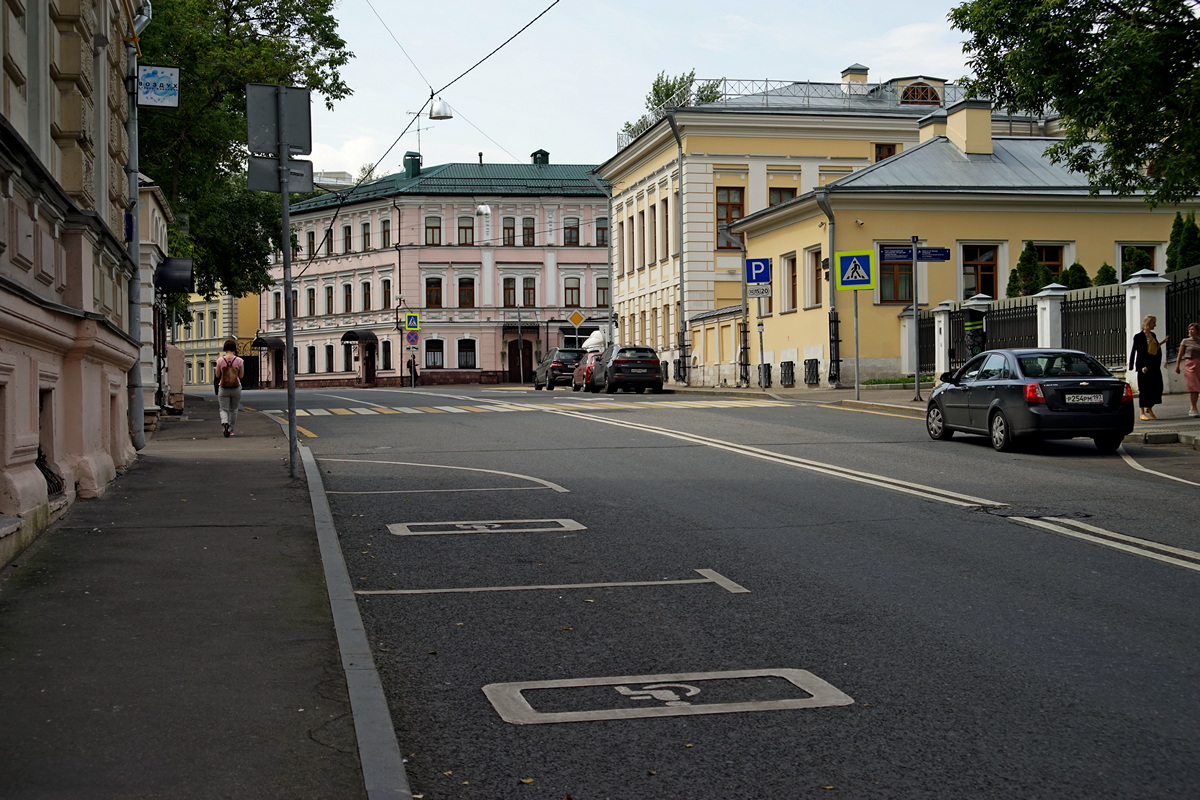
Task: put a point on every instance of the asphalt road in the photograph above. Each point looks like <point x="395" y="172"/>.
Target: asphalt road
<point x="776" y="600"/>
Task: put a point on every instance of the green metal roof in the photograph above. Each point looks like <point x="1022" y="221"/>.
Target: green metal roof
<point x="508" y="180"/>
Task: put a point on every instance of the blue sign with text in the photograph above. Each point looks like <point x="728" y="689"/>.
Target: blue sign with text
<point x="758" y="270"/>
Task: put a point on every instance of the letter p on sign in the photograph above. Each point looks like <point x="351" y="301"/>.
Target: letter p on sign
<point x="758" y="270"/>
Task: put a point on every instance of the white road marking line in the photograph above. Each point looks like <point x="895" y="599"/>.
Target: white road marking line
<point x="724" y="583"/>
<point x="361" y="410"/>
<point x="1058" y="527"/>
<point x="452" y="409"/>
<point x="1129" y="460"/>
<point x="484" y="526"/>
<point x="530" y="478"/>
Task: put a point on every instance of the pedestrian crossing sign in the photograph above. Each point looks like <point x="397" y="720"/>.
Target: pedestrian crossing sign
<point x="412" y="322"/>
<point x="855" y="270"/>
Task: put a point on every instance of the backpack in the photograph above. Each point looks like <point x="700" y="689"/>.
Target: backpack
<point x="229" y="375"/>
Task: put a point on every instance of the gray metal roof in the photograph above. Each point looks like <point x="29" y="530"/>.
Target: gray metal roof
<point x="1017" y="164"/>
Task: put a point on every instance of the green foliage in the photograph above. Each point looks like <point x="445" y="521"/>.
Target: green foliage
<point x="1124" y="75"/>
<point x="1075" y="277"/>
<point x="1173" y="243"/>
<point x="1188" y="254"/>
<point x="676" y="92"/>
<point x="1030" y="276"/>
<point x="1105" y="276"/>
<point x="1134" y="260"/>
<point x="197" y="153"/>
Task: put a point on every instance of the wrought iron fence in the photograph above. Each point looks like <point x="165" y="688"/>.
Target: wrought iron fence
<point x="956" y="331"/>
<point x="1183" y="305"/>
<point x="1012" y="323"/>
<point x="926" y="344"/>
<point x="1093" y="320"/>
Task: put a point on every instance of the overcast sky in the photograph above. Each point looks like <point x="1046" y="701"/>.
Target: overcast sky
<point x="570" y="82"/>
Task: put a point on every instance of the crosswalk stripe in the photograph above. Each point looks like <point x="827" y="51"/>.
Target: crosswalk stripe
<point x="452" y="409"/>
<point x="367" y="411"/>
<point x="429" y="410"/>
<point x="342" y="412"/>
<point x="581" y="405"/>
<point x="405" y="410"/>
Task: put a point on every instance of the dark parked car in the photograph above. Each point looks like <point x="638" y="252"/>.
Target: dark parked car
<point x="1045" y="394"/>
<point x="581" y="378"/>
<point x="556" y="367"/>
<point x="628" y="367"/>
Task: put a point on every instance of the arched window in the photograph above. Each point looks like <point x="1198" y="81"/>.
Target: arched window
<point x="920" y="94"/>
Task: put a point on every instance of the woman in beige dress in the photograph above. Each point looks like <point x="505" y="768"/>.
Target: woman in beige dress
<point x="1189" y="359"/>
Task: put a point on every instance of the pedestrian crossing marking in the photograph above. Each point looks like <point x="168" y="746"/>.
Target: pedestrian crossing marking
<point x="365" y="411"/>
<point x="582" y="405"/>
<point x="430" y="410"/>
<point x="342" y="412"/>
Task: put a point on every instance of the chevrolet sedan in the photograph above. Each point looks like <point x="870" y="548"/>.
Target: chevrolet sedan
<point x="1010" y="395"/>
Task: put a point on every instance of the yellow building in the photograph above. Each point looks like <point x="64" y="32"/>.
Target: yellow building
<point x="214" y="321"/>
<point x="963" y="188"/>
<point x="693" y="167"/>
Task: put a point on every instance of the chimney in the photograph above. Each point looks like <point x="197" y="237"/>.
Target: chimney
<point x="412" y="164"/>
<point x="854" y="80"/>
<point x="969" y="126"/>
<point x="540" y="158"/>
<point x="933" y="125"/>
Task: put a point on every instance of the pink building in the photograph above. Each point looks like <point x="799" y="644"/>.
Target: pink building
<point x="499" y="262"/>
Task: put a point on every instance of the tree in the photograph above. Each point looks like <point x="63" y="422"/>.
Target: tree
<point x="1075" y="277"/>
<point x="1105" y="276"/>
<point x="674" y="92"/>
<point x="1186" y="244"/>
<point x="197" y="153"/>
<point x="1135" y="260"/>
<point x="1124" y="76"/>
<point x="1173" y="243"/>
<point x="1030" y="275"/>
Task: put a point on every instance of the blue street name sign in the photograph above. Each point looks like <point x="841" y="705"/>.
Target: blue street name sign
<point x="758" y="270"/>
<point x="933" y="254"/>
<point x="895" y="253"/>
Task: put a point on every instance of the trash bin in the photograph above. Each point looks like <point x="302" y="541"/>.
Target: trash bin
<point x="812" y="371"/>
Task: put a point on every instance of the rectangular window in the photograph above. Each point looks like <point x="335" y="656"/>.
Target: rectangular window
<point x="311" y="295"/>
<point x="386" y="345"/>
<point x="466" y="292"/>
<point x="571" y="231"/>
<point x="347" y="240"/>
<point x="295" y="305"/>
<point x="510" y="292"/>
<point x="816" y="278"/>
<point x="329" y="358"/>
<point x="347" y="298"/>
<point x="652" y="235"/>
<point x="668" y="233"/>
<point x="366" y="236"/>
<point x="883" y="151"/>
<point x="527" y="237"/>
<point x="466" y="230"/>
<point x="385" y="233"/>
<point x="385" y="289"/>
<point x="310" y="354"/>
<point x="790" y="300"/>
<point x="978" y="270"/>
<point x="329" y="241"/>
<point x="366" y="296"/>
<point x="602" y="292"/>
<point x="433" y="292"/>
<point x="329" y="299"/>
<point x="277" y="305"/>
<point x="466" y="354"/>
<point x="433" y="230"/>
<point x="200" y="325"/>
<point x="571" y="292"/>
<point x="310" y="243"/>
<point x="730" y="207"/>
<point x="895" y="281"/>
<point x="1052" y="256"/>
<point x="529" y="293"/>
<point x="434" y="355"/>
<point x="347" y="358"/>
<point x="622" y="250"/>
<point x="602" y="232"/>
<point x="641" y="227"/>
<point x="777" y="196"/>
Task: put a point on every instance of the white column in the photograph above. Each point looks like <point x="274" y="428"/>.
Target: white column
<point x="941" y="337"/>
<point x="1049" y="315"/>
<point x="1145" y="294"/>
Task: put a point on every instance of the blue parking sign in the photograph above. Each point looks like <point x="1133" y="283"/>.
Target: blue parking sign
<point x="758" y="270"/>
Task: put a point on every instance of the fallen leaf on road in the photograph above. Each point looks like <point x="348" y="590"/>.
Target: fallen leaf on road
<point x="526" y="780"/>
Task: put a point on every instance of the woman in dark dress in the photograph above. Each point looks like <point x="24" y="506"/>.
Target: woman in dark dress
<point x="1146" y="360"/>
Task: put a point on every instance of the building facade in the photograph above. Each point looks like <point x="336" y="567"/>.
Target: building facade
<point x="69" y="338"/>
<point x="695" y="166"/>
<point x="497" y="263"/>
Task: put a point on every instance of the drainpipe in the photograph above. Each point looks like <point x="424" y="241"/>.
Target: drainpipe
<point x="821" y="195"/>
<point x="684" y="366"/>
<point x="137" y="410"/>
<point x="608" y="314"/>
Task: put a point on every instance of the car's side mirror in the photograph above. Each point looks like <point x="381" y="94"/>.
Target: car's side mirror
<point x="946" y="377"/>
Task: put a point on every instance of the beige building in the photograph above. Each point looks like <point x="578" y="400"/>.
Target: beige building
<point x="69" y="334"/>
<point x="696" y="166"/>
<point x="213" y="321"/>
<point x="962" y="188"/>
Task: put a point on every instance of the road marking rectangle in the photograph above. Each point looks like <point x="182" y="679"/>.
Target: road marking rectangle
<point x="405" y="410"/>
<point x="639" y="696"/>
<point x="342" y="412"/>
<point x="452" y="409"/>
<point x="364" y="411"/>
<point x="484" y="526"/>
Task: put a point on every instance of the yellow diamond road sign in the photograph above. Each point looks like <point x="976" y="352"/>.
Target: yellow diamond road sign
<point x="576" y="318"/>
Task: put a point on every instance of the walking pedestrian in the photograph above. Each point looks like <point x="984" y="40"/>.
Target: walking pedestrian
<point x="1189" y="358"/>
<point x="1146" y="360"/>
<point x="230" y="369"/>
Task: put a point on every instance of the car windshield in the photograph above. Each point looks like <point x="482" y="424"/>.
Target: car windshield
<point x="568" y="357"/>
<point x="636" y="352"/>
<point x="1061" y="365"/>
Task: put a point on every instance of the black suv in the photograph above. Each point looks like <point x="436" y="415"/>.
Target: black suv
<point x="623" y="366"/>
<point x="556" y="367"/>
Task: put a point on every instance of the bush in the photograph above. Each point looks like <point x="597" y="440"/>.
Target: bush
<point x="1105" y="276"/>
<point x="1075" y="277"/>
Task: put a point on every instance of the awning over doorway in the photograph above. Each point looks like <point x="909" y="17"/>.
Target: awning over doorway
<point x="268" y="343"/>
<point x="360" y="336"/>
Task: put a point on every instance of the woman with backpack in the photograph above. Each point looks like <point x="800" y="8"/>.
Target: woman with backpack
<point x="230" y="369"/>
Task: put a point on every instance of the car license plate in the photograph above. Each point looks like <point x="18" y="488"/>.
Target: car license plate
<point x="638" y="369"/>
<point x="1084" y="399"/>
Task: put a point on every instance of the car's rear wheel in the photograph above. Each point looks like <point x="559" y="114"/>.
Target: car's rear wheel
<point x="1002" y="437"/>
<point x="1109" y="442"/>
<point x="935" y="423"/>
<point x="609" y="387"/>
<point x="550" y="385"/>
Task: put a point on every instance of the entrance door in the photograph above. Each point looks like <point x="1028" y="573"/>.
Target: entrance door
<point x="278" y="378"/>
<point x="368" y="356"/>
<point x="520" y="362"/>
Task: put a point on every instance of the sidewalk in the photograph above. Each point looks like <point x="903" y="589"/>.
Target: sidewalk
<point x="174" y="639"/>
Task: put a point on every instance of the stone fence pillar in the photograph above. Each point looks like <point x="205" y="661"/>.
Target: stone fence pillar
<point x="1145" y="294"/>
<point x="941" y="337"/>
<point x="1049" y="315"/>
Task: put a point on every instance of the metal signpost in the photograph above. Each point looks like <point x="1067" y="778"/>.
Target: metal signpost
<point x="758" y="286"/>
<point x="279" y="123"/>
<point x="854" y="270"/>
<point x="915" y="255"/>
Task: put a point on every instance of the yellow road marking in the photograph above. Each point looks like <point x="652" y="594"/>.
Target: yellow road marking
<point x="299" y="429"/>
<point x="429" y="409"/>
<point x="342" y="412"/>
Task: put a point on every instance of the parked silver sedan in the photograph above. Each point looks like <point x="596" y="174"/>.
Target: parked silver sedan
<point x="1009" y="395"/>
